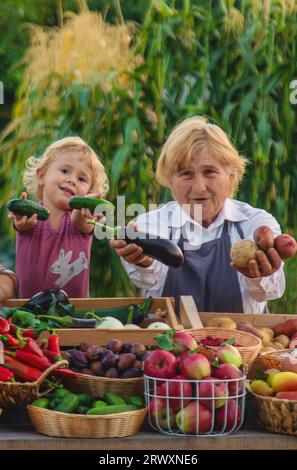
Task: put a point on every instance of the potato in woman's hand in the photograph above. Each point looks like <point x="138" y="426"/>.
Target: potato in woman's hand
<point x="264" y="237"/>
<point x="242" y="252"/>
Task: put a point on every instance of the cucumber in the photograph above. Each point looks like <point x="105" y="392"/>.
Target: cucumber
<point x="41" y="403"/>
<point x="135" y="401"/>
<point x="28" y="208"/>
<point x="107" y="410"/>
<point x="87" y="203"/>
<point x="113" y="399"/>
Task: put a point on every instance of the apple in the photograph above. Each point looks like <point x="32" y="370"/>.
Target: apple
<point x="180" y="388"/>
<point x="194" y="419"/>
<point x="228" y="354"/>
<point x="195" y="366"/>
<point x="184" y="342"/>
<point x="161" y="414"/>
<point x="160" y="364"/>
<point x="230" y="371"/>
<point x="215" y="391"/>
<point x="228" y="417"/>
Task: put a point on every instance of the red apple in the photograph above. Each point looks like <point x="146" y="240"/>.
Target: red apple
<point x="215" y="391"/>
<point x="228" y="354"/>
<point x="179" y="388"/>
<point x="160" y="364"/>
<point x="230" y="371"/>
<point x="195" y="366"/>
<point x="160" y="413"/>
<point x="184" y="341"/>
<point x="194" y="419"/>
<point x="228" y="417"/>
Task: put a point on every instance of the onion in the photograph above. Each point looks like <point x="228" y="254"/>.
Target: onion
<point x="131" y="326"/>
<point x="157" y="325"/>
<point x="111" y="323"/>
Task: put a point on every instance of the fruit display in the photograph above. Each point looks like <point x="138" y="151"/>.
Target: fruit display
<point x="243" y="251"/>
<point x="116" y="360"/>
<point x="188" y="392"/>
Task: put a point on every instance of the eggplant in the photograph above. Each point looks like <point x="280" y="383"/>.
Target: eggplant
<point x="44" y="299"/>
<point x="156" y="247"/>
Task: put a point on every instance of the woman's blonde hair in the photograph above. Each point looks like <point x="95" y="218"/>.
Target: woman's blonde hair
<point x="34" y="165"/>
<point x="196" y="136"/>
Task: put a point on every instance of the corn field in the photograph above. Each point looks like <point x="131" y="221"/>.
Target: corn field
<point x="123" y="86"/>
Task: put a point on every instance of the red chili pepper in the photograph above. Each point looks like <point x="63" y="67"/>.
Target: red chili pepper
<point x="10" y="341"/>
<point x="22" y="371"/>
<point x="53" y="357"/>
<point x="53" y="344"/>
<point x="66" y="373"/>
<point x="4" y="326"/>
<point x="33" y="348"/>
<point x="32" y="360"/>
<point x="30" y="334"/>
<point x="5" y="374"/>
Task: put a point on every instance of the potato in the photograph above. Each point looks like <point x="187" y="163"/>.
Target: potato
<point x="264" y="237"/>
<point x="267" y="349"/>
<point x="221" y="322"/>
<point x="282" y="339"/>
<point x="267" y="334"/>
<point x="276" y="345"/>
<point x="242" y="252"/>
<point x="285" y="245"/>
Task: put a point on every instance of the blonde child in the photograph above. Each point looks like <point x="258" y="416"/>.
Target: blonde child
<point x="56" y="253"/>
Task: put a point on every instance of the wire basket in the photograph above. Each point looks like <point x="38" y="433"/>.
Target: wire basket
<point x="250" y="345"/>
<point x="98" y="386"/>
<point x="209" y="407"/>
<point x="56" y="423"/>
<point x="21" y="393"/>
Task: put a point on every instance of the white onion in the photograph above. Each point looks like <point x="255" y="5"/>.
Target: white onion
<point x="131" y="326"/>
<point x="111" y="323"/>
<point x="157" y="325"/>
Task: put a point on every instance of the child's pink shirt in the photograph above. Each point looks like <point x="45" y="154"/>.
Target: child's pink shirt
<point x="48" y="258"/>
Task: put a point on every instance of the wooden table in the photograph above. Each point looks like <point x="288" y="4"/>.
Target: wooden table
<point x="17" y="433"/>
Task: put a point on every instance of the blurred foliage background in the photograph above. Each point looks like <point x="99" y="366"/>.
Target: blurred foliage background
<point x="122" y="74"/>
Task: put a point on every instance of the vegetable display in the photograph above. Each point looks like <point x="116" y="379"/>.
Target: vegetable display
<point x="65" y="401"/>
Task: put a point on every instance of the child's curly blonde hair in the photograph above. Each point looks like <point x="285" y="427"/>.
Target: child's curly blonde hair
<point x="34" y="165"/>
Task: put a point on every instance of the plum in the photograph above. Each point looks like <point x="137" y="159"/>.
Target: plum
<point x="126" y="361"/>
<point x="109" y="361"/>
<point x="264" y="237"/>
<point x="130" y="373"/>
<point x="112" y="373"/>
<point x="115" y="345"/>
<point x="285" y="245"/>
<point x="84" y="346"/>
<point x="96" y="368"/>
<point x="138" y="365"/>
<point x="87" y="371"/>
<point x="126" y="348"/>
<point x="93" y="353"/>
<point x="138" y="349"/>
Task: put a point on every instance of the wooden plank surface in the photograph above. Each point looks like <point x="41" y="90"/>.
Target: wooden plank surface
<point x="17" y="433"/>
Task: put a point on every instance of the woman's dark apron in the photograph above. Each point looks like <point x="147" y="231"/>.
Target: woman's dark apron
<point x="207" y="276"/>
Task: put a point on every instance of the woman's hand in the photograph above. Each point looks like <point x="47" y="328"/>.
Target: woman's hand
<point x="22" y="222"/>
<point x="131" y="253"/>
<point x="266" y="264"/>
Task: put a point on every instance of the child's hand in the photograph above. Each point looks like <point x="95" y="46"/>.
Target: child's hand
<point x="22" y="222"/>
<point x="87" y="214"/>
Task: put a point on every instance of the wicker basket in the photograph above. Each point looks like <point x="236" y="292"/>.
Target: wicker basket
<point x="273" y="360"/>
<point x="98" y="386"/>
<point x="251" y="345"/>
<point x="17" y="393"/>
<point x="55" y="423"/>
<point x="278" y="415"/>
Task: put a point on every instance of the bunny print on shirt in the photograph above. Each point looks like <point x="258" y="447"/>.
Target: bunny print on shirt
<point x="66" y="269"/>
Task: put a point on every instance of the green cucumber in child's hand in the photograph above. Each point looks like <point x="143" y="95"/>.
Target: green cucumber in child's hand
<point x="28" y="208"/>
<point x="107" y="410"/>
<point x="88" y="203"/>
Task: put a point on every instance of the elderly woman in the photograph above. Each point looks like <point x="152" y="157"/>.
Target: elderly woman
<point x="8" y="283"/>
<point x="202" y="169"/>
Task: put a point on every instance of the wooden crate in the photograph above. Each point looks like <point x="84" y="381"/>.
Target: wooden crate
<point x="74" y="336"/>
